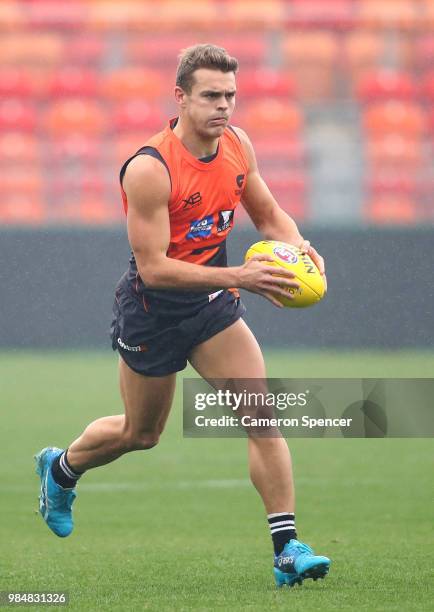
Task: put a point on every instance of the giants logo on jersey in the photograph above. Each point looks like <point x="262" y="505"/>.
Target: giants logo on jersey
<point x="225" y="220"/>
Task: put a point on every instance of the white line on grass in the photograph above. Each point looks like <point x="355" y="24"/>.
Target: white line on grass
<point x="100" y="487"/>
<point x="233" y="483"/>
<point x="180" y="484"/>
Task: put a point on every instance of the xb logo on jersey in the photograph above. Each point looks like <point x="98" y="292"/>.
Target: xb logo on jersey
<point x="192" y="201"/>
<point x="201" y="228"/>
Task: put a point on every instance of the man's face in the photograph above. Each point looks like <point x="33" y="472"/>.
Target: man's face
<point x="211" y="101"/>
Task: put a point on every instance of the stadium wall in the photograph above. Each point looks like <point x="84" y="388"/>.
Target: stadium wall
<point x="57" y="289"/>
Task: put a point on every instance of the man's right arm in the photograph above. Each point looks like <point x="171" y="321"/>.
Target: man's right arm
<point x="147" y="185"/>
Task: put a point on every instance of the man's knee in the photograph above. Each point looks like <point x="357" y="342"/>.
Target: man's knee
<point x="141" y="440"/>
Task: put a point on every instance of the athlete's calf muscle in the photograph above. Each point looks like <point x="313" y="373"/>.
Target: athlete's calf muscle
<point x="147" y="402"/>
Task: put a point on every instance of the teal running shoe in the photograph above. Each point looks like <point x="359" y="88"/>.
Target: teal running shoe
<point x="297" y="562"/>
<point x="55" y="502"/>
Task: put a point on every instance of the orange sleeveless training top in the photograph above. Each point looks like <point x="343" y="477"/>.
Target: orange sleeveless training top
<point x="203" y="195"/>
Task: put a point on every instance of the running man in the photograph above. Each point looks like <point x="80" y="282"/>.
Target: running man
<point x="177" y="302"/>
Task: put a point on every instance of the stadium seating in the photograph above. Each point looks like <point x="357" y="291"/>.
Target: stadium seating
<point x="84" y="182"/>
<point x="84" y="83"/>
<point x="16" y="82"/>
<point x="88" y="49"/>
<point x="126" y="144"/>
<point x="289" y="189"/>
<point x="69" y="148"/>
<point x="21" y="178"/>
<point x="396" y="160"/>
<point x="19" y="209"/>
<point x="19" y="147"/>
<point x="397" y="210"/>
<point x="393" y="183"/>
<point x="51" y="14"/>
<point x="32" y="48"/>
<point x="133" y="82"/>
<point x="106" y="17"/>
<point x="11" y="16"/>
<point x="386" y="84"/>
<point x="402" y="14"/>
<point x="203" y="15"/>
<point x="75" y="116"/>
<point x="363" y="52"/>
<point x="335" y="14"/>
<point x="137" y="115"/>
<point x="248" y="15"/>
<point x="428" y="87"/>
<point x="22" y="192"/>
<point x="311" y="57"/>
<point x="250" y="49"/>
<point x="395" y="151"/>
<point x="277" y="150"/>
<point x="431" y="124"/>
<point x="265" y="82"/>
<point x="16" y="114"/>
<point x="73" y="81"/>
<point x="272" y="116"/>
<point x="86" y="211"/>
<point x="428" y="13"/>
<point x="424" y="52"/>
<point x="395" y="117"/>
<point x="425" y="202"/>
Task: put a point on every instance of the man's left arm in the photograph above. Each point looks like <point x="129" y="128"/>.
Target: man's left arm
<point x="270" y="220"/>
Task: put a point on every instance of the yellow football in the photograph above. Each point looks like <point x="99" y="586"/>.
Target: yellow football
<point x="307" y="275"/>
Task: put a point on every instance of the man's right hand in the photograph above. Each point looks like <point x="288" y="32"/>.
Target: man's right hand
<point x="259" y="277"/>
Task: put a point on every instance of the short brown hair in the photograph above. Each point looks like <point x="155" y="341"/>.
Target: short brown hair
<point x="202" y="56"/>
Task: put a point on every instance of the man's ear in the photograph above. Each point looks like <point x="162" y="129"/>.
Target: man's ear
<point x="180" y="96"/>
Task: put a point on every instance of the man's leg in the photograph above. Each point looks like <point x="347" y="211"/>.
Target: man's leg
<point x="147" y="402"/>
<point x="234" y="353"/>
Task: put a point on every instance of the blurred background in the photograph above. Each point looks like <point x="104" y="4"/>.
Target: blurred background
<point x="336" y="95"/>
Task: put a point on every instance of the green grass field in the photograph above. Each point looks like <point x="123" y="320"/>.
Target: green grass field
<point x="180" y="528"/>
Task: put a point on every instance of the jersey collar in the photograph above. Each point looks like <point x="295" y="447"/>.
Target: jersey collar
<point x="192" y="160"/>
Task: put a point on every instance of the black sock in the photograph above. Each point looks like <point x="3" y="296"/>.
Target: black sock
<point x="63" y="473"/>
<point x="282" y="527"/>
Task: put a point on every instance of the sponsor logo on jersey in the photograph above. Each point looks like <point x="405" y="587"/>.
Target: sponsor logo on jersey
<point x="225" y="220"/>
<point x="240" y="182"/>
<point x="201" y="228"/>
<point x="192" y="201"/>
<point x="285" y="255"/>
<point x="134" y="349"/>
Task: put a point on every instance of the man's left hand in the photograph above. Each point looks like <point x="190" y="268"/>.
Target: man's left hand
<point x="306" y="247"/>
